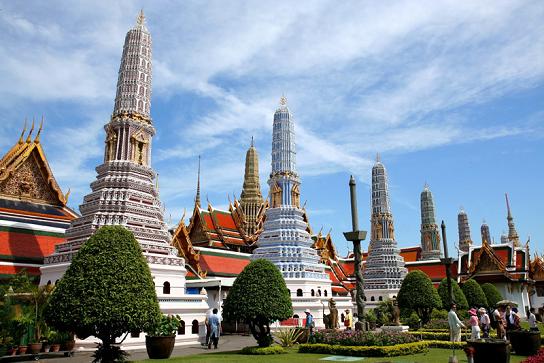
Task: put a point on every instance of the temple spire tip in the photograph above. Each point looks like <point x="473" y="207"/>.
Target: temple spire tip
<point x="29" y="137"/>
<point x="22" y="133"/>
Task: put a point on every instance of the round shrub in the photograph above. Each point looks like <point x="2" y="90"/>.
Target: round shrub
<point x="492" y="295"/>
<point x="458" y="295"/>
<point x="259" y="297"/>
<point x="474" y="293"/>
<point x="107" y="290"/>
<point x="417" y="293"/>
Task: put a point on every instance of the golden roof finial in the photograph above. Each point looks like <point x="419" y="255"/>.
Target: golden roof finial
<point x="140" y="20"/>
<point x="283" y="100"/>
<point x="37" y="139"/>
<point x="67" y="195"/>
<point x="22" y="133"/>
<point x="28" y="139"/>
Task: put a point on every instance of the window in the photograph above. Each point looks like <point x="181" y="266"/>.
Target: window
<point x="295" y="316"/>
<point x="194" y="327"/>
<point x="48" y="282"/>
<point x="299" y="292"/>
<point x="166" y="288"/>
<point x="372" y="299"/>
<point x="380" y="298"/>
<point x="313" y="292"/>
<point x="325" y="292"/>
<point x="319" y="292"/>
<point x="342" y="317"/>
<point x="181" y="328"/>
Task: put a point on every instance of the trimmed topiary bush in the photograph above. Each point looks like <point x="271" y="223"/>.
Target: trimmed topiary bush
<point x="458" y="295"/>
<point x="474" y="294"/>
<point x="492" y="294"/>
<point x="259" y="297"/>
<point x="361" y="338"/>
<point x="107" y="291"/>
<point x="418" y="294"/>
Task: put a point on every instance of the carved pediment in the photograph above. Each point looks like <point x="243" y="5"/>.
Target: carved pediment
<point x="28" y="181"/>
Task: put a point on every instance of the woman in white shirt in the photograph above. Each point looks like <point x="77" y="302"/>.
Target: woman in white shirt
<point x="485" y="322"/>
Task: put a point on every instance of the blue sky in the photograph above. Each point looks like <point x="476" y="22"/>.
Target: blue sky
<point x="448" y="92"/>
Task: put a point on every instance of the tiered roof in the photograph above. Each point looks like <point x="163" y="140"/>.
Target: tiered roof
<point x="33" y="210"/>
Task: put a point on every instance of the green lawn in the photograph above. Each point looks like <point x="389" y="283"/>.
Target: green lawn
<point x="433" y="356"/>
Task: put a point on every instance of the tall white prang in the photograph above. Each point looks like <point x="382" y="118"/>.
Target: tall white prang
<point x="384" y="268"/>
<point x="125" y="192"/>
<point x="285" y="240"/>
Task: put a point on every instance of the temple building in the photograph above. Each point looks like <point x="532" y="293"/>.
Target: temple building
<point x="384" y="268"/>
<point x="536" y="291"/>
<point x="33" y="211"/>
<point x="430" y="236"/>
<point x="252" y="204"/>
<point x="125" y="193"/>
<point x="504" y="264"/>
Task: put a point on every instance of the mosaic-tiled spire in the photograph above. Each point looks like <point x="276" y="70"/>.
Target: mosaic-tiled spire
<point x="512" y="233"/>
<point x="486" y="235"/>
<point x="124" y="192"/>
<point x="251" y="199"/>
<point x="465" y="241"/>
<point x="285" y="240"/>
<point x="134" y="82"/>
<point x="384" y="266"/>
<point x="430" y="237"/>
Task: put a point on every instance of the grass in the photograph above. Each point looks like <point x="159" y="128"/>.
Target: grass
<point x="433" y="356"/>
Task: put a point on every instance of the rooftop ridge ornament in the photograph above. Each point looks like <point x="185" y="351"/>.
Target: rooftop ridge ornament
<point x="197" y="197"/>
<point x="37" y="139"/>
<point x="22" y="133"/>
<point x="140" y="20"/>
<point x="29" y="137"/>
<point x="283" y="101"/>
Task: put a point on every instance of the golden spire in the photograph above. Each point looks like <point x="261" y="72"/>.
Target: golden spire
<point x="283" y="100"/>
<point x="22" y="133"/>
<point x="197" y="198"/>
<point x="140" y="20"/>
<point x="67" y="195"/>
<point x="28" y="139"/>
<point x="37" y="139"/>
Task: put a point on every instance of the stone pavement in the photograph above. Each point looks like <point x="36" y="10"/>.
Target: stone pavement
<point x="226" y="343"/>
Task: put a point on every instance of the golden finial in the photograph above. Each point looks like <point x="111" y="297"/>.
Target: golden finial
<point x="140" y="20"/>
<point x="37" y="139"/>
<point x="28" y="139"/>
<point x="67" y="195"/>
<point x="22" y="133"/>
<point x="283" y="100"/>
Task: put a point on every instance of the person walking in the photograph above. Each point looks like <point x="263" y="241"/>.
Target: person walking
<point x="512" y="320"/>
<point x="474" y="323"/>
<point x="500" y="322"/>
<point x="485" y="322"/>
<point x="532" y="320"/>
<point x="455" y="324"/>
<point x="214" y="323"/>
<point x="348" y="320"/>
<point x="310" y="324"/>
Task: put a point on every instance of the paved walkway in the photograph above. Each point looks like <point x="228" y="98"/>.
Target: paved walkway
<point x="227" y="343"/>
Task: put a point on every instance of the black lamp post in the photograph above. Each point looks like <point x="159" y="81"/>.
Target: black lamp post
<point x="447" y="261"/>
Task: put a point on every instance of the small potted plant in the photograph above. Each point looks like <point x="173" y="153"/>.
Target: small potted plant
<point x="54" y="340"/>
<point x="160" y="340"/>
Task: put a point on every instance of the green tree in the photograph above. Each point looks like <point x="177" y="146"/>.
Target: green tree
<point x="458" y="295"/>
<point x="474" y="294"/>
<point x="259" y="297"/>
<point x="418" y="294"/>
<point x="107" y="291"/>
<point x="492" y="295"/>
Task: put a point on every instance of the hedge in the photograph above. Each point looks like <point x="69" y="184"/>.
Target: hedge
<point x="445" y="344"/>
<point x="369" y="351"/>
<point x="430" y="335"/>
<point x="274" y="349"/>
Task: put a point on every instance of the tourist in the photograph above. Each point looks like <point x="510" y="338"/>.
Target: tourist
<point x="474" y="323"/>
<point x="310" y="324"/>
<point x="500" y="322"/>
<point x="485" y="322"/>
<point x="532" y="320"/>
<point x="455" y="324"/>
<point x="348" y="320"/>
<point x="214" y="324"/>
<point x="512" y="319"/>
